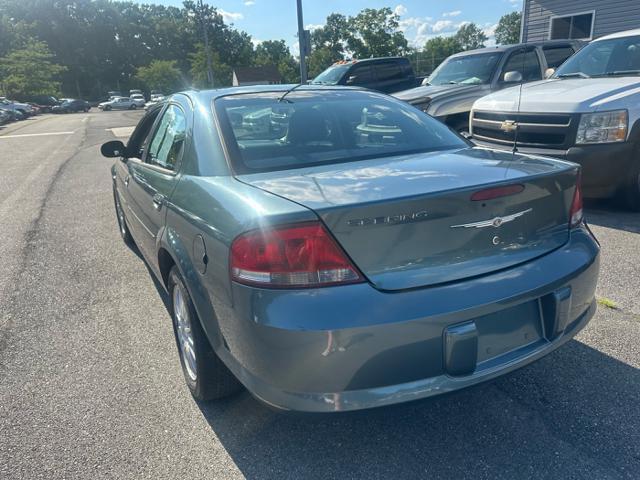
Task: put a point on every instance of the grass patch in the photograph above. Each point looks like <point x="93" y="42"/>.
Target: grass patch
<point x="606" y="302"/>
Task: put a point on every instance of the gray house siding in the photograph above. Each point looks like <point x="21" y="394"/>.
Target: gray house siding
<point x="610" y="16"/>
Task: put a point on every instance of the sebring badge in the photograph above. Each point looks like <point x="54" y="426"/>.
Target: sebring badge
<point x="494" y="222"/>
<point x="389" y="220"/>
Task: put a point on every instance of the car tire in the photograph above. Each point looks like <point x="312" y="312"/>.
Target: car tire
<point x="632" y="189"/>
<point x="133" y="107"/>
<point x="207" y="377"/>
<point x="127" y="238"/>
<point x="107" y="108"/>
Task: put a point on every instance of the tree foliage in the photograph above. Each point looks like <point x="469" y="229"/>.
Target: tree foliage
<point x="437" y="49"/>
<point x="375" y="33"/>
<point x="161" y="75"/>
<point x="508" y="29"/>
<point x="30" y="71"/>
<point x="470" y="36"/>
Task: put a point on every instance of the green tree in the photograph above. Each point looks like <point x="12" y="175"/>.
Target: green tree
<point x="319" y="60"/>
<point x="332" y="36"/>
<point x="222" y="73"/>
<point x="276" y="52"/>
<point x="161" y="75"/>
<point x="30" y="71"/>
<point x="470" y="36"/>
<point x="375" y="33"/>
<point x="508" y="29"/>
<point x="437" y="49"/>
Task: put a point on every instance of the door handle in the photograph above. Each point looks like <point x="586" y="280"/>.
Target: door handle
<point x="158" y="201"/>
<point x="126" y="181"/>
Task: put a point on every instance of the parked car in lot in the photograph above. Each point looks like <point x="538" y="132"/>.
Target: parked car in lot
<point x="138" y="99"/>
<point x="45" y="103"/>
<point x="71" y="105"/>
<point x="22" y="109"/>
<point x="386" y="74"/>
<point x="155" y="99"/>
<point x="118" y="103"/>
<point x="449" y="92"/>
<point x="5" y="116"/>
<point x="588" y="113"/>
<point x="361" y="255"/>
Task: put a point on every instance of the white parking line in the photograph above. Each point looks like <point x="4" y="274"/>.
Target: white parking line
<point x="122" y="132"/>
<point x="35" y="134"/>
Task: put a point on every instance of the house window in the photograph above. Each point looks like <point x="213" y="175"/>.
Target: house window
<point x="572" y="27"/>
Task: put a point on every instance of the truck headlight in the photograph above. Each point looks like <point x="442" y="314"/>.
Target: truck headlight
<point x="603" y="127"/>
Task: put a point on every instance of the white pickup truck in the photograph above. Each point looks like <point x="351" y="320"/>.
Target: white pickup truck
<point x="587" y="112"/>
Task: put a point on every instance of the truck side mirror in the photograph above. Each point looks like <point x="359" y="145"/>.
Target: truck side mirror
<point x="548" y="72"/>
<point x="512" y="77"/>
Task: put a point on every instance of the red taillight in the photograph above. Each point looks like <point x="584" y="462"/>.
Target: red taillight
<point x="302" y="255"/>
<point x="576" y="214"/>
<point x="496" y="192"/>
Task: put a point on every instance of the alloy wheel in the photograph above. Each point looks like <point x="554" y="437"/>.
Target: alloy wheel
<point x="184" y="332"/>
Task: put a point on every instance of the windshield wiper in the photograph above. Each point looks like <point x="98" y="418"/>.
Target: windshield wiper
<point x="573" y="75"/>
<point x="619" y="72"/>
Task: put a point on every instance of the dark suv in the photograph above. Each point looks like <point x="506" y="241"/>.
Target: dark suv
<point x="463" y="78"/>
<point x="71" y="105"/>
<point x="385" y="74"/>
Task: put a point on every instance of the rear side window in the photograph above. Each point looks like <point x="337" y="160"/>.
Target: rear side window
<point x="388" y="71"/>
<point x="312" y="128"/>
<point x="360" y="75"/>
<point x="526" y="63"/>
<point x="165" y="148"/>
<point x="555" y="56"/>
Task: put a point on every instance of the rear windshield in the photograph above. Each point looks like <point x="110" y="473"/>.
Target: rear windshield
<point x="312" y="128"/>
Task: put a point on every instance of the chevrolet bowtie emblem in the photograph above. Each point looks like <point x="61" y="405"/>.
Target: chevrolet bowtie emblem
<point x="508" y="125"/>
<point x="494" y="222"/>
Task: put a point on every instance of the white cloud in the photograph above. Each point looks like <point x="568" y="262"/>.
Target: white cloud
<point x="229" y="17"/>
<point x="400" y="10"/>
<point x="248" y="3"/>
<point x="455" y="13"/>
<point x="313" y="26"/>
<point x="490" y="31"/>
<point x="442" y="26"/>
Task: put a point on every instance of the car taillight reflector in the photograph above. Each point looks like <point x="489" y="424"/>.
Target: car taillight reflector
<point x="301" y="255"/>
<point x="576" y="214"/>
<point x="496" y="192"/>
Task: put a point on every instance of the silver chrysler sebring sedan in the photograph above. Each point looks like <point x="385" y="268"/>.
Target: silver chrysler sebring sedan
<point x="335" y="249"/>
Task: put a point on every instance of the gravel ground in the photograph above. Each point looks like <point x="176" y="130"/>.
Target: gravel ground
<point x="91" y="387"/>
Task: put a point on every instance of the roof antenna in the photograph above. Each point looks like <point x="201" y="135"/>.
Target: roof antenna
<point x="517" y="122"/>
<point x="289" y="91"/>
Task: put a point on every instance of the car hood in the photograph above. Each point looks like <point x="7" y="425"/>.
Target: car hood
<point x="562" y="96"/>
<point x="433" y="91"/>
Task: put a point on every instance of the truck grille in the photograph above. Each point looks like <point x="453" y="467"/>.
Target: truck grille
<point x="534" y="129"/>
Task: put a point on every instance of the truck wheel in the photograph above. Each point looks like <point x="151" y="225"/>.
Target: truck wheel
<point x="632" y="190"/>
<point x="207" y="377"/>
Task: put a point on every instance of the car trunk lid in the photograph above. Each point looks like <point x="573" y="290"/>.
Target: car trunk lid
<point x="410" y="221"/>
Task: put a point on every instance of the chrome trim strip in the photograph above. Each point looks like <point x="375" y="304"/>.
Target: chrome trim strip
<point x="523" y="124"/>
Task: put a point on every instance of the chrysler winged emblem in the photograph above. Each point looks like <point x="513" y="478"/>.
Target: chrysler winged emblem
<point x="494" y="222"/>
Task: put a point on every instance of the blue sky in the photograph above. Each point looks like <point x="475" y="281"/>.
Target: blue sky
<point x="420" y="19"/>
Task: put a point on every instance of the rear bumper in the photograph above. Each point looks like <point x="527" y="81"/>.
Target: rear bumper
<point x="605" y="168"/>
<point x="354" y="347"/>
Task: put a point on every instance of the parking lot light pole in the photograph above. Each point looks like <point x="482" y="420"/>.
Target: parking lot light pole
<point x="206" y="43"/>
<point x="302" y="45"/>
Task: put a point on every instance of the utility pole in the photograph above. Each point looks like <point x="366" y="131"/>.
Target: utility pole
<point x="206" y="43"/>
<point x="302" y="45"/>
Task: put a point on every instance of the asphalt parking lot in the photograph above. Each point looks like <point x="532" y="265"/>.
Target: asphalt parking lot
<point x="91" y="386"/>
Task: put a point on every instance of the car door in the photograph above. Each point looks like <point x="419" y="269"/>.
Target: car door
<point x="153" y="178"/>
<point x="526" y="61"/>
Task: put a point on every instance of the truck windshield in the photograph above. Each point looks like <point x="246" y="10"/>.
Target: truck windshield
<point x="617" y="56"/>
<point x="313" y="128"/>
<point x="332" y="75"/>
<point x="467" y="70"/>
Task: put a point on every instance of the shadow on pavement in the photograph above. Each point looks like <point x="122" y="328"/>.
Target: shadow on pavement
<point x="573" y="414"/>
<point x="608" y="214"/>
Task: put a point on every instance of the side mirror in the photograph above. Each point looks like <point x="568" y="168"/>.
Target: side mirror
<point x="548" y="72"/>
<point x="513" y="77"/>
<point x="351" y="79"/>
<point x="113" y="149"/>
